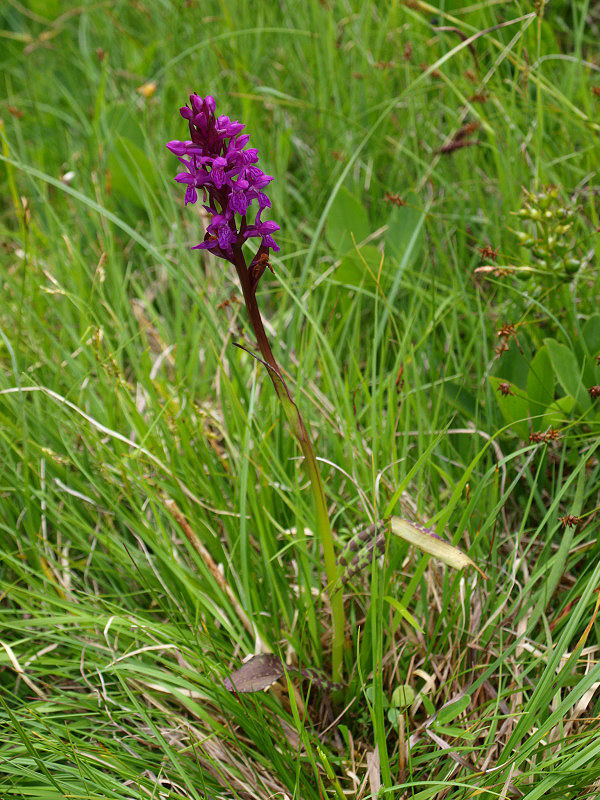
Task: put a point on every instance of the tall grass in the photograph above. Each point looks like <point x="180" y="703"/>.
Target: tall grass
<point x="156" y="526"/>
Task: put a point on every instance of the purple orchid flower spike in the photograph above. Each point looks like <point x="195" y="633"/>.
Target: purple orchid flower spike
<point x="264" y="230"/>
<point x="219" y="168"/>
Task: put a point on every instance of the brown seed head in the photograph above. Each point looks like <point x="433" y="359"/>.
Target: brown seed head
<point x="395" y="199"/>
<point x="467" y="129"/>
<point x="487" y="252"/>
<point x="571" y="520"/>
<point x="551" y="435"/>
<point x="506" y="331"/>
<point x="456" y="144"/>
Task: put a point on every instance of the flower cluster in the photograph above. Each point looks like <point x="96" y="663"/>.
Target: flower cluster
<point x="217" y="163"/>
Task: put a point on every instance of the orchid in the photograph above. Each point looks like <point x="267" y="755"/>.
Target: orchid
<point x="220" y="168"/>
<point x="225" y="174"/>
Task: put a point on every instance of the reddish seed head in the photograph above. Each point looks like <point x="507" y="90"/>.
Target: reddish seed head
<point x="570" y="520"/>
<point x="487" y="252"/>
<point x="506" y="331"/>
<point x="395" y="199"/>
<point x="551" y="435"/>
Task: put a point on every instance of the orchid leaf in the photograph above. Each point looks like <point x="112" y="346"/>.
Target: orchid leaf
<point x="568" y="372"/>
<point x="347" y="221"/>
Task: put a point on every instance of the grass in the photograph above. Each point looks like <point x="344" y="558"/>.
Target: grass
<point x="156" y="525"/>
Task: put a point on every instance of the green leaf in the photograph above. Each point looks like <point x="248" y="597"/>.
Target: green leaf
<point x="132" y="173"/>
<point x="427" y="704"/>
<point x="513" y="407"/>
<point x="360" y="268"/>
<point x="370" y="695"/>
<point x="403" y="696"/>
<point x="347" y="218"/>
<point x="454" y="732"/>
<point x="402" y="223"/>
<point x="513" y="367"/>
<point x="393" y="715"/>
<point x="540" y="387"/>
<point x="460" y="398"/>
<point x="568" y="372"/>
<point x="591" y="334"/>
<point x="404" y="613"/>
<point x="450" y="712"/>
<point x="561" y="411"/>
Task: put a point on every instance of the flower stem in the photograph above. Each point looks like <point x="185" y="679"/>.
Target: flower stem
<point x="298" y="429"/>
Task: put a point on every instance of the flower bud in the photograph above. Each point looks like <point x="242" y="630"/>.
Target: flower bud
<point x="524" y="238"/>
<point x="523" y="274"/>
<point x="562" y="229"/>
<point x="543" y="201"/>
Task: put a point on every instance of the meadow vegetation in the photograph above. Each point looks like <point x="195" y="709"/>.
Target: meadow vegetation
<point x="434" y="309"/>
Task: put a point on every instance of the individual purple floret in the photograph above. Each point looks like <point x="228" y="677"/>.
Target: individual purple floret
<point x="226" y="174"/>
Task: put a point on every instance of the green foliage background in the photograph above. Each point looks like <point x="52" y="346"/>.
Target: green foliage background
<point x="122" y="394"/>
